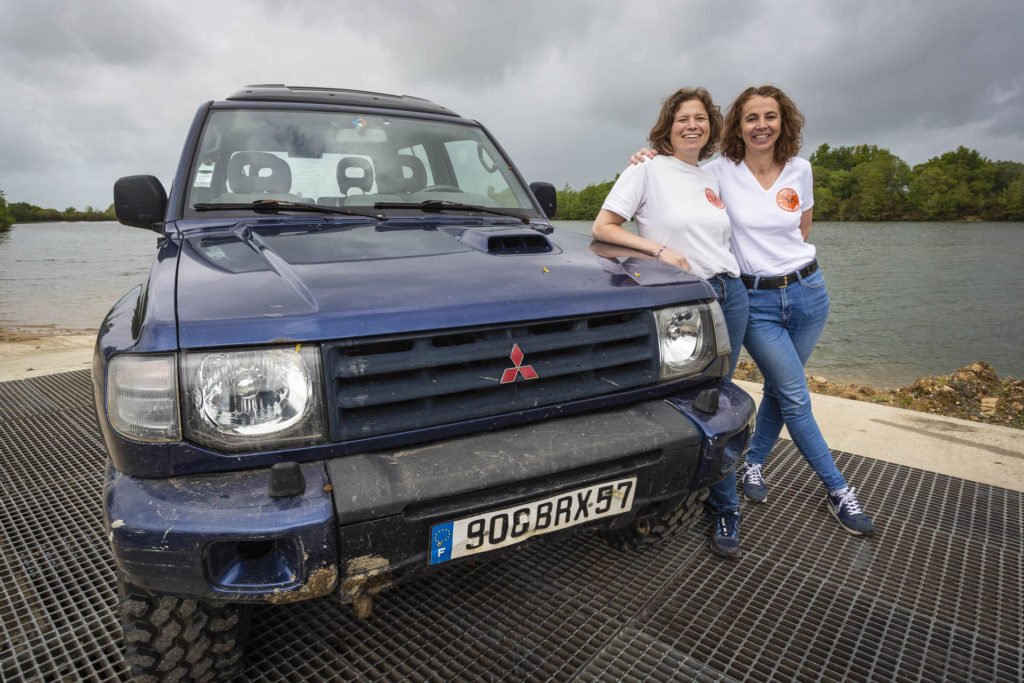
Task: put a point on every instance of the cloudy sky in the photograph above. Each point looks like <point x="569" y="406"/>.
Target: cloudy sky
<point x="91" y="90"/>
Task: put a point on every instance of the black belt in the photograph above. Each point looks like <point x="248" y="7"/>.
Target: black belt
<point x="779" y="281"/>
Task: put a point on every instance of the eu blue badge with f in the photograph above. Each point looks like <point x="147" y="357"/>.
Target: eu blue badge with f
<point x="441" y="543"/>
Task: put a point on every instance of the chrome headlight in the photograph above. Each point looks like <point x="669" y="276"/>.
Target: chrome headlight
<point x="142" y="397"/>
<point x="687" y="338"/>
<point x="256" y="399"/>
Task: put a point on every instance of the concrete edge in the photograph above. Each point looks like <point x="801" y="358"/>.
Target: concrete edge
<point x="980" y="452"/>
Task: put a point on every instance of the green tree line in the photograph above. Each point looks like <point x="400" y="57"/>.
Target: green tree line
<point x="867" y="183"/>
<point x="5" y="219"/>
<point x="860" y="183"/>
<point x="21" y="212"/>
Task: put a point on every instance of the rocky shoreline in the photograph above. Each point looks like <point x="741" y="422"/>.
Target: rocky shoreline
<point x="974" y="392"/>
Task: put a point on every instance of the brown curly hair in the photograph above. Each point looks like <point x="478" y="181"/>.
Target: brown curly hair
<point x="661" y="133"/>
<point x="790" y="138"/>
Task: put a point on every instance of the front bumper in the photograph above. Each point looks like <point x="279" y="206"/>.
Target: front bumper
<point x="364" y="520"/>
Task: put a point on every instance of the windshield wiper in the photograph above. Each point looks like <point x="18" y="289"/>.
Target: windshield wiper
<point x="276" y="205"/>
<point x="445" y="205"/>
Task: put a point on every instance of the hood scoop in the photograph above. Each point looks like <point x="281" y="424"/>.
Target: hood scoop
<point x="506" y="242"/>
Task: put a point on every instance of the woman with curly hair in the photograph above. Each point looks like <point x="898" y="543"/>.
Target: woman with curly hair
<point x="681" y="221"/>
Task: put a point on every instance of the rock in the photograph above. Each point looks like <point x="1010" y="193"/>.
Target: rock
<point x="983" y="371"/>
<point x="923" y="384"/>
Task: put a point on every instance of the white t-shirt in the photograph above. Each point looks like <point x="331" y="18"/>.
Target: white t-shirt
<point x="676" y="204"/>
<point x="766" y="223"/>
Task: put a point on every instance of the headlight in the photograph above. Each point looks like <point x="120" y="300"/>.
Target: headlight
<point x="255" y="399"/>
<point x="722" y="343"/>
<point x="686" y="339"/>
<point x="142" y="401"/>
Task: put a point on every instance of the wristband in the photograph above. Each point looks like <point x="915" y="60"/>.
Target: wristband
<point x="658" y="253"/>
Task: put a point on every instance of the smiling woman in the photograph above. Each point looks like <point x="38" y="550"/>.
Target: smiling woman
<point x="690" y="232"/>
<point x="769" y="195"/>
<point x="682" y="222"/>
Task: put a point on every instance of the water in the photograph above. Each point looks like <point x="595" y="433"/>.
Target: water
<point x="911" y="300"/>
<point x="908" y="299"/>
<point x="64" y="277"/>
<point x="917" y="299"/>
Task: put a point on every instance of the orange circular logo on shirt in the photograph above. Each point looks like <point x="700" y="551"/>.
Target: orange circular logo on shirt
<point x="787" y="199"/>
<point x="713" y="198"/>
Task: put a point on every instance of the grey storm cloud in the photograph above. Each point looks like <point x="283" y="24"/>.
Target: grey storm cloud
<point x="96" y="90"/>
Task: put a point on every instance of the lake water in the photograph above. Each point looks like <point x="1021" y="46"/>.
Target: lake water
<point x="908" y="299"/>
<point x="58" y="277"/>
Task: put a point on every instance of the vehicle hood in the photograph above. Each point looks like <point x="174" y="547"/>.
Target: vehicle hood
<point x="295" y="281"/>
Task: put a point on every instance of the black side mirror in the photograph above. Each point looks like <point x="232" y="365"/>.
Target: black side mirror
<point x="140" y="201"/>
<point x="545" y="194"/>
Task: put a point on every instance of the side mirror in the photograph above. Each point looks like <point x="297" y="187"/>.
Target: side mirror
<point x="545" y="194"/>
<point x="140" y="201"/>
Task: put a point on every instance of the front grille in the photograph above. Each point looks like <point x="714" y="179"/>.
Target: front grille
<point x="396" y="384"/>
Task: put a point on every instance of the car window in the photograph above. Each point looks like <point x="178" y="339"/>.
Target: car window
<point x="476" y="171"/>
<point x="344" y="159"/>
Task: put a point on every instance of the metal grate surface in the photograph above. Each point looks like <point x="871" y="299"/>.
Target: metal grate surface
<point x="935" y="594"/>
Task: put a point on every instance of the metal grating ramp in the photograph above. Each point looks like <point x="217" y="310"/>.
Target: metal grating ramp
<point x="934" y="595"/>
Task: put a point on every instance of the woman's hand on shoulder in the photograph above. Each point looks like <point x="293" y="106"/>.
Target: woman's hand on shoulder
<point x="643" y="155"/>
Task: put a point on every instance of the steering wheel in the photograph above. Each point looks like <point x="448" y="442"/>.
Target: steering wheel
<point x="441" y="188"/>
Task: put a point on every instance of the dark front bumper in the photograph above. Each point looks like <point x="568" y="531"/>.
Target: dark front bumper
<point x="395" y="497"/>
<point x="364" y="519"/>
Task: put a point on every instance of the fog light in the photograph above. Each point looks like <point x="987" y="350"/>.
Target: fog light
<point x="254" y="565"/>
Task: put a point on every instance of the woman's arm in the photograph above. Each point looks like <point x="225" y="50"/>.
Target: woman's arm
<point x="805" y="223"/>
<point x="608" y="228"/>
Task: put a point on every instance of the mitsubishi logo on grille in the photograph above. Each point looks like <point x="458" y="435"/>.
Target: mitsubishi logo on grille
<point x="517" y="358"/>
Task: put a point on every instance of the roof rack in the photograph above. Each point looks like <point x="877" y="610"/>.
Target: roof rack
<point x="276" y="92"/>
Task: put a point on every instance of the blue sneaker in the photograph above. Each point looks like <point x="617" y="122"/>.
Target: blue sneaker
<point x="754" y="488"/>
<point x="844" y="507"/>
<point x="725" y="537"/>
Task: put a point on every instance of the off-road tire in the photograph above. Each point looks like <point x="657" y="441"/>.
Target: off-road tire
<point x="180" y="639"/>
<point x="649" y="531"/>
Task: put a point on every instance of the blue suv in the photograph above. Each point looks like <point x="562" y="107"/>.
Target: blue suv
<point x="364" y="351"/>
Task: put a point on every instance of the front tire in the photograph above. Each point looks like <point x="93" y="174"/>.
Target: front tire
<point x="650" y="531"/>
<point x="170" y="639"/>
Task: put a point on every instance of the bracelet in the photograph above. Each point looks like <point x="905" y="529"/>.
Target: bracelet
<point x="658" y="253"/>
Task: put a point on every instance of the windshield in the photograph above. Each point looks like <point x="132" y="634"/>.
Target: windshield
<point x="348" y="160"/>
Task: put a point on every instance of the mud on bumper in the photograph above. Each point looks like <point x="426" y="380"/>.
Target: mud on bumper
<point x="364" y="520"/>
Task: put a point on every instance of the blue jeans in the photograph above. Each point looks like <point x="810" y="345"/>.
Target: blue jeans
<point x="732" y="297"/>
<point x="783" y="327"/>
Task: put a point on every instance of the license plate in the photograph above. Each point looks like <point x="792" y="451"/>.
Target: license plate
<point x="511" y="525"/>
